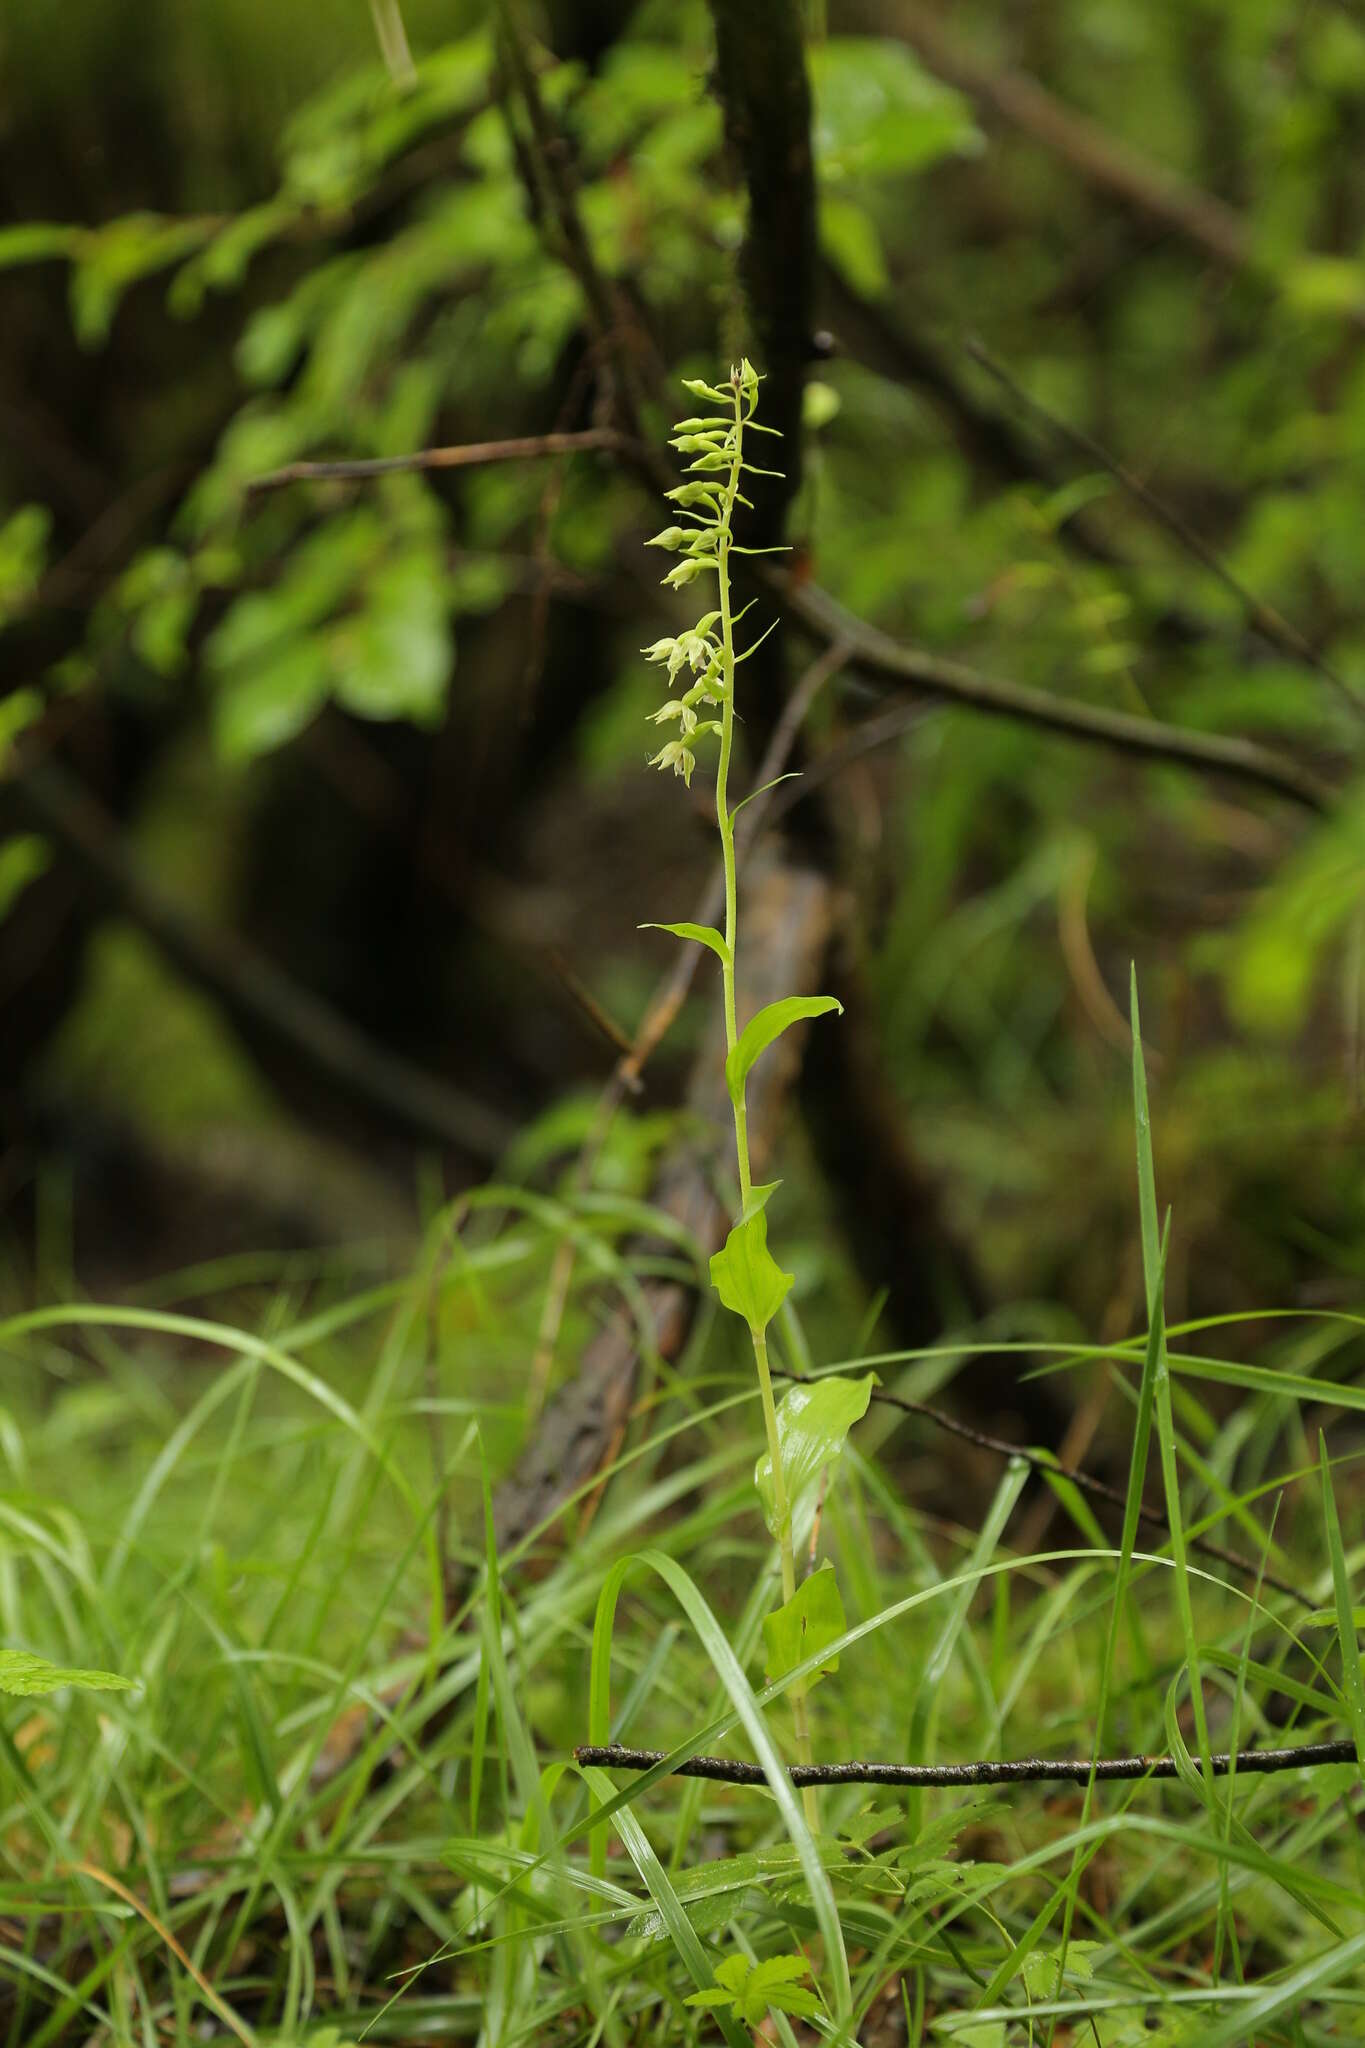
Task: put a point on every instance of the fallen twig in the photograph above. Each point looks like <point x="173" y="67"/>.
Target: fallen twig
<point x="1026" y="1770"/>
<point x="466" y="455"/>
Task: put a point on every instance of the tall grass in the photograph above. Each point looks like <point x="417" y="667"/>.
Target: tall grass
<point x="331" y="1807"/>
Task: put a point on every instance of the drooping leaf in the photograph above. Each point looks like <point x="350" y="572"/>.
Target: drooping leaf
<point x="703" y="934"/>
<point x="769" y="1023"/>
<point x="812" y="1422"/>
<point x="746" y="1276"/>
<point x="812" y="1617"/>
<point x="24" y="1674"/>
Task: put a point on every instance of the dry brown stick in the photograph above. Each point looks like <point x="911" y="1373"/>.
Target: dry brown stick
<point x="465" y="455"/>
<point x="1026" y="1770"/>
<point x="1272" y="626"/>
<point x="252" y="990"/>
<point x="1050" y="1467"/>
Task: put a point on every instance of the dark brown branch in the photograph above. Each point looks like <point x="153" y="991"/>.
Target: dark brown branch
<point x="468" y="455"/>
<point x="1272" y="626"/>
<point x="875" y="653"/>
<point x="1050" y="1467"/>
<point x="1025" y="1770"/>
<point x="761" y="82"/>
<point x="546" y="169"/>
<point x="253" y="991"/>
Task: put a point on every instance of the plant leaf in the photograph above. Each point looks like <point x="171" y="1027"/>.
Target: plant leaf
<point x="812" y="1422"/>
<point x="702" y="934"/>
<point x="1351" y="1684"/>
<point x="23" y="1674"/>
<point x="812" y="1617"/>
<point x="747" y="1277"/>
<point x="760" y="1031"/>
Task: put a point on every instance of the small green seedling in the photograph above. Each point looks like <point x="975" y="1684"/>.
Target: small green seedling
<point x="807" y="1432"/>
<point x="749" y="1989"/>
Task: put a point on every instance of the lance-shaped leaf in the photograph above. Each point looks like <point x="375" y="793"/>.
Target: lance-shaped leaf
<point x="760" y="1031"/>
<point x="704" y="934"/>
<point x="812" y="1617"/>
<point x="812" y="1422"/>
<point x="746" y="1276"/>
<point x="23" y="1673"/>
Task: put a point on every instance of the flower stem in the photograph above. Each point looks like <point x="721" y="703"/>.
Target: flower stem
<point x="725" y="822"/>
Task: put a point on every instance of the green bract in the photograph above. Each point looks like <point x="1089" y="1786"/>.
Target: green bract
<point x="813" y="1617"/>
<point x="812" y="1423"/>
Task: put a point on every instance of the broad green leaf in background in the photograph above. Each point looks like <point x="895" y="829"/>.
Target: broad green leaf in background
<point x="747" y="1277"/>
<point x="1276" y="953"/>
<point x="24" y="538"/>
<point x="812" y="1422"/>
<point x="760" y="1031"/>
<point x="879" y="113"/>
<point x="23" y="857"/>
<point x="812" y="1617"/>
<point x="1351" y="1683"/>
<point x="24" y="1674"/>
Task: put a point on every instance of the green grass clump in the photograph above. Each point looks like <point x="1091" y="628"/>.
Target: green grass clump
<point x="332" y="1806"/>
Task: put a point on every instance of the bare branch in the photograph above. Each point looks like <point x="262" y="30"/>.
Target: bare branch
<point x="468" y="455"/>
<point x="876" y="653"/>
<point x="1026" y="1770"/>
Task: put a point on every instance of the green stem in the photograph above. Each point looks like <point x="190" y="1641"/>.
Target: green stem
<point x="725" y="821"/>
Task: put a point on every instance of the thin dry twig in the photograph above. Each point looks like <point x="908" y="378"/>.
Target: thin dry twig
<point x="1026" y="1770"/>
<point x="465" y="455"/>
<point x="186" y="1961"/>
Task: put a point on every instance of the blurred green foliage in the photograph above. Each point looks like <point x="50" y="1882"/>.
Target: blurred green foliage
<point x="344" y="265"/>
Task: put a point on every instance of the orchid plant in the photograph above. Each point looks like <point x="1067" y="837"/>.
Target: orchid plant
<point x="806" y="1431"/>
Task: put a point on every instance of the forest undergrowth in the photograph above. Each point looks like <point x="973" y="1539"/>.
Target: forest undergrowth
<point x="339" y="1797"/>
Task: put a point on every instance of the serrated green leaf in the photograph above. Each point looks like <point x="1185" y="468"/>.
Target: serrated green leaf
<point x="812" y="1422"/>
<point x="812" y="1617"/>
<point x="760" y="1031"/>
<point x="702" y="934"/>
<point x="24" y="1675"/>
<point x="751" y="1988"/>
<point x="746" y="1276"/>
